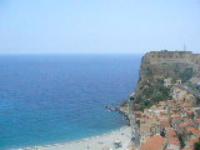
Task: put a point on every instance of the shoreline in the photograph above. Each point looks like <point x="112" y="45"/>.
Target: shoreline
<point x="106" y="141"/>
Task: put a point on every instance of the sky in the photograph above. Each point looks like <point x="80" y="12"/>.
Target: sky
<point x="98" y="26"/>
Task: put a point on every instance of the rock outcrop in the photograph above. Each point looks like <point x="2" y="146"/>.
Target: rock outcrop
<point x="163" y="69"/>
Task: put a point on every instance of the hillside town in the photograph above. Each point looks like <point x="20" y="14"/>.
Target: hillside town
<point x="171" y="124"/>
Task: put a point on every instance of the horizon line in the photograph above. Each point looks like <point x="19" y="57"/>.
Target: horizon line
<point x="89" y="53"/>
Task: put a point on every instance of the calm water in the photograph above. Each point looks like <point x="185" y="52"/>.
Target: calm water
<point x="49" y="99"/>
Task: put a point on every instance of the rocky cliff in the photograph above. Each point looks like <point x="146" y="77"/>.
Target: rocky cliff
<point x="160" y="71"/>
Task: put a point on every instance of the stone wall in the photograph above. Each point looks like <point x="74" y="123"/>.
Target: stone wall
<point x="173" y="56"/>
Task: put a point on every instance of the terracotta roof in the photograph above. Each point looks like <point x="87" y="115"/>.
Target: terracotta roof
<point x="174" y="141"/>
<point x="177" y="117"/>
<point x="186" y="124"/>
<point x="193" y="141"/>
<point x="171" y="133"/>
<point x="194" y="131"/>
<point x="154" y="143"/>
<point x="198" y="120"/>
<point x="164" y="122"/>
<point x="190" y="112"/>
<point x="172" y="137"/>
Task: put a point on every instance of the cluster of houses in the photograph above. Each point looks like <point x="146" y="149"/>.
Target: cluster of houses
<point x="169" y="125"/>
<point x="168" y="82"/>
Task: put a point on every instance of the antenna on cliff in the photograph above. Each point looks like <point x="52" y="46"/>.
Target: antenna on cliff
<point x="184" y="47"/>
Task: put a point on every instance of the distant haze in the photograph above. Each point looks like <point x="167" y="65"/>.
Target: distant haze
<point x="98" y="26"/>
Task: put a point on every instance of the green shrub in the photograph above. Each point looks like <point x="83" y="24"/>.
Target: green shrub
<point x="186" y="74"/>
<point x="197" y="146"/>
<point x="153" y="93"/>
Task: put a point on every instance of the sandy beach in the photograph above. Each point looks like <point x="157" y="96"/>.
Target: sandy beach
<point x="118" y="139"/>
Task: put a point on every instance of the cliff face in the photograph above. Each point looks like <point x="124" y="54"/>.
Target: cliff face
<point x="160" y="70"/>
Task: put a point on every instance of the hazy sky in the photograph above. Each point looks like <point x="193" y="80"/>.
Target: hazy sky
<point x="98" y="26"/>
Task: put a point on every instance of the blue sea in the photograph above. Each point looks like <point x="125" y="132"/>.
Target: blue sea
<point x="46" y="99"/>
